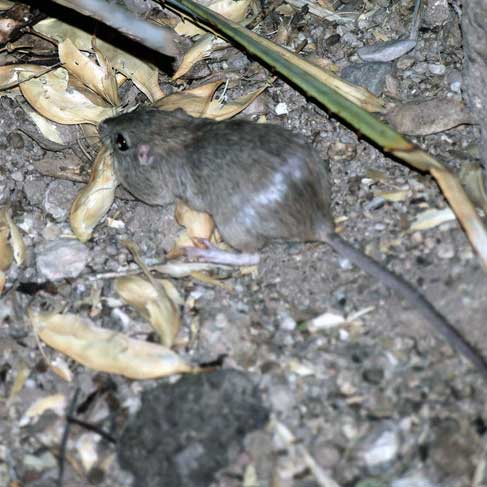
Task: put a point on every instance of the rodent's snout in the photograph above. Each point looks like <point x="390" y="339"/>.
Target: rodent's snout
<point x="103" y="129"/>
<point x="105" y="132"/>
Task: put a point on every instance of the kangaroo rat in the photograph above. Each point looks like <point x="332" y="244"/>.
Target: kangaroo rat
<point x="260" y="182"/>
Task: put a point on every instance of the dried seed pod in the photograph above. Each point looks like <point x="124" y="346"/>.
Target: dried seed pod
<point x="153" y="304"/>
<point x="95" y="199"/>
<point x="106" y="350"/>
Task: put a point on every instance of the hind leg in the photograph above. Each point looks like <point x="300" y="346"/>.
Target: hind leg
<point x="218" y="256"/>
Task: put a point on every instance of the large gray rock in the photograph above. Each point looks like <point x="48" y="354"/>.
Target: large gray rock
<point x="185" y="432"/>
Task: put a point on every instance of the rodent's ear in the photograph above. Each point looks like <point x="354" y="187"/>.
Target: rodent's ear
<point x="144" y="155"/>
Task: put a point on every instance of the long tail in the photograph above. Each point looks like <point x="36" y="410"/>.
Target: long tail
<point x="415" y="298"/>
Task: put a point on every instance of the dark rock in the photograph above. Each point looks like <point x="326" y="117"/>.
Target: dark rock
<point x="368" y="75"/>
<point x="183" y="433"/>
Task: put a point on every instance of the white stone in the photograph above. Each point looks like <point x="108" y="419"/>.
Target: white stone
<point x="281" y="109"/>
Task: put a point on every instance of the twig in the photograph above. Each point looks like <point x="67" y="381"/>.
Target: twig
<point x="173" y="269"/>
<point x="91" y="427"/>
<point x="157" y="37"/>
<point x="64" y="440"/>
<point x="9" y="86"/>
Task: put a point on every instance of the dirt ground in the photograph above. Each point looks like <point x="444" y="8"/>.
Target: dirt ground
<point x="376" y="401"/>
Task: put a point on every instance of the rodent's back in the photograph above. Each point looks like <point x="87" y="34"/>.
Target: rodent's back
<point x="260" y="182"/>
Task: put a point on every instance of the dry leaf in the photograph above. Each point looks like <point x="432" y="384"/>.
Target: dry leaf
<point x="55" y="402"/>
<point x="197" y="102"/>
<point x="46" y="127"/>
<point x="231" y="9"/>
<point x="106" y="65"/>
<point x="358" y="95"/>
<point x="11" y="242"/>
<point x="198" y="51"/>
<point x="106" y="350"/>
<point x="198" y="224"/>
<point x="59" y="31"/>
<point x="464" y="209"/>
<point x="95" y="199"/>
<point x="22" y="373"/>
<point x="399" y="195"/>
<point x="3" y="280"/>
<point x="219" y="111"/>
<point x="6" y="252"/>
<point x="61" y="369"/>
<point x="53" y="98"/>
<point x="472" y="176"/>
<point x="194" y="101"/>
<point x="16" y="241"/>
<point x="5" y="4"/>
<point x="9" y="74"/>
<point x="99" y="78"/>
<point x="153" y="305"/>
<point x="432" y="218"/>
<point x="182" y="240"/>
<point x="143" y="75"/>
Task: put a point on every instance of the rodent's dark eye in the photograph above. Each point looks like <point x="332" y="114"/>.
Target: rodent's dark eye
<point x="121" y="142"/>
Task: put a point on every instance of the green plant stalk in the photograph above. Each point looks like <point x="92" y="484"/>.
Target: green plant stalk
<point x="286" y="63"/>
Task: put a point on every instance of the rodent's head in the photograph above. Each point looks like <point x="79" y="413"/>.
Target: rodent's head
<point x="124" y="133"/>
<point x="140" y="143"/>
<point x="131" y="134"/>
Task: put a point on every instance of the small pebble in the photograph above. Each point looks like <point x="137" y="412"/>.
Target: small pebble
<point x="344" y="264"/>
<point x="386" y="51"/>
<point x="344" y="335"/>
<point x="288" y="323"/>
<point x="281" y="398"/>
<point x="455" y="81"/>
<point x="437" y="69"/>
<point x="446" y="251"/>
<point x="58" y="198"/>
<point x="62" y="258"/>
<point x="370" y="75"/>
<point x="420" y="68"/>
<point x="34" y="190"/>
<point x="15" y="140"/>
<point x="405" y="62"/>
<point x="381" y="447"/>
<point x="437" y="13"/>
<point x="17" y="176"/>
<point x="51" y="231"/>
<point x="376" y="203"/>
<point x="281" y="109"/>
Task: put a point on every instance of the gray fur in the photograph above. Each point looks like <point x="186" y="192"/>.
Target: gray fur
<point x="260" y="182"/>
